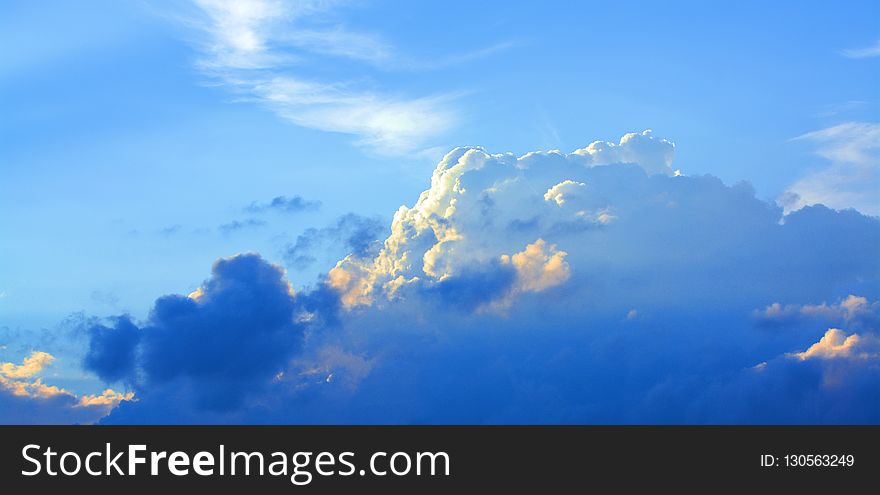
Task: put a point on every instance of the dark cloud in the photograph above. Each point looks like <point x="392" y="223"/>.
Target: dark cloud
<point x="219" y="347"/>
<point x="111" y="354"/>
<point x="284" y="204"/>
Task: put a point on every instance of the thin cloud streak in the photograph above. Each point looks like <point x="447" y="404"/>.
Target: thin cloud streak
<point x="864" y="52"/>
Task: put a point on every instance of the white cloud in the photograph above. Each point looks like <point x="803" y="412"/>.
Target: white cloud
<point x="854" y="142"/>
<point x="654" y="155"/>
<point x="479" y="209"/>
<point x="852" y="310"/>
<point x="253" y="47"/>
<point x="558" y="192"/>
<point x="239" y="32"/>
<point x="864" y="52"/>
<point x="851" y="180"/>
<point x="339" y="42"/>
<point x="836" y="344"/>
<point x="20" y="391"/>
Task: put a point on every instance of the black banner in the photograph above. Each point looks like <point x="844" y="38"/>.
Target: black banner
<point x="418" y="459"/>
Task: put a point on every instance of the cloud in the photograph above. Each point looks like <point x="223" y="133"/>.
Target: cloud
<point x="340" y="42"/>
<point x="330" y="364"/>
<point x="864" y="52"/>
<point x="350" y="233"/>
<point x="653" y="155"/>
<point x="217" y="347"/>
<point x="32" y="365"/>
<point x="853" y="311"/>
<point x="485" y="287"/>
<point x="170" y="230"/>
<point x="558" y="192"/>
<point x="487" y="302"/>
<point x="104" y="297"/>
<point x="836" y="344"/>
<point x="107" y="398"/>
<point x="111" y="351"/>
<point x="26" y="399"/>
<point x="437" y="63"/>
<point x="236" y="225"/>
<point x="475" y="194"/>
<point x="851" y="180"/>
<point x="538" y="267"/>
<point x="256" y="47"/>
<point x="284" y="204"/>
<point x="835" y="380"/>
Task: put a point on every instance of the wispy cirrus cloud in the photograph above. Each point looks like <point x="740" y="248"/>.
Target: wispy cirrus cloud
<point x="851" y="180"/>
<point x="254" y="48"/>
<point x="863" y="52"/>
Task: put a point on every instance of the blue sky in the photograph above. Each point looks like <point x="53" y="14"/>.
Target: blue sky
<point x="135" y="136"/>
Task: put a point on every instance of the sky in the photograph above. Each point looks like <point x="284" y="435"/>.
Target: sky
<point x="434" y="212"/>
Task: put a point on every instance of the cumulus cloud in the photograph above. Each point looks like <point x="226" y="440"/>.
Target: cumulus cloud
<point x="508" y="291"/>
<point x="112" y="348"/>
<point x="482" y="206"/>
<point x="32" y="365"/>
<point x="559" y="192"/>
<point x="654" y="155"/>
<point x="538" y="267"/>
<point x="836" y="344"/>
<point x="218" y="346"/>
<point x="851" y="180"/>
